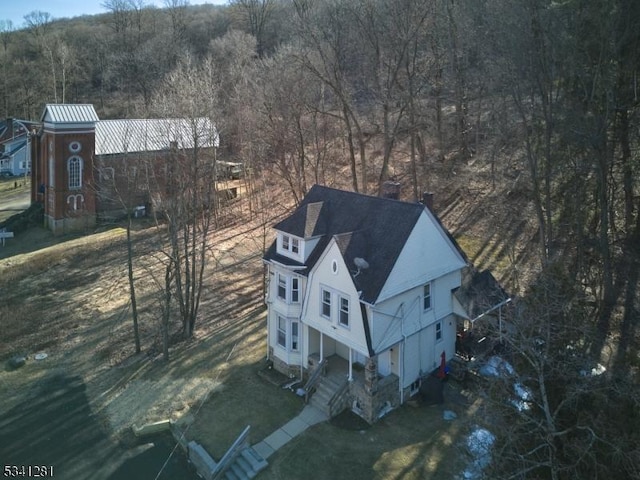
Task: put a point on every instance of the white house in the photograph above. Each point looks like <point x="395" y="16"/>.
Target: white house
<point x="15" y="156"/>
<point x="365" y="282"/>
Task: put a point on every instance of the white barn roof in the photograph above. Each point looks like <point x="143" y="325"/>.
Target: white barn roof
<point x="148" y="135"/>
<point x="69" y="113"/>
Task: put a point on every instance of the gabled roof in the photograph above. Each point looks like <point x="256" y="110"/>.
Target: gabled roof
<point x="13" y="129"/>
<point x="372" y="228"/>
<point x="149" y="135"/>
<point x="69" y="113"/>
<point x="15" y="147"/>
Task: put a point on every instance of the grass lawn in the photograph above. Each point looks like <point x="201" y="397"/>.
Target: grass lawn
<point x="75" y="308"/>
<point x="409" y="443"/>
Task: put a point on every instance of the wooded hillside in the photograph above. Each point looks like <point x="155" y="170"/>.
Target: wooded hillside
<point x="539" y="98"/>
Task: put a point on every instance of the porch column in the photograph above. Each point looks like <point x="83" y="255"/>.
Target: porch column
<point x="350" y="365"/>
<point x="371" y="375"/>
<point x="321" y="346"/>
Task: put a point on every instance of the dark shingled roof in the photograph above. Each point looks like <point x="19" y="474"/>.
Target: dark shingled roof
<point x="373" y="228"/>
<point x="480" y="292"/>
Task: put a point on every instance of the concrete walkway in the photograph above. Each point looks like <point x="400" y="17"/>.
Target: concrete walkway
<point x="308" y="416"/>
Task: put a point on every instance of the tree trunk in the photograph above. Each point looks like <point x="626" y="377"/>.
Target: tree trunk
<point x="459" y="86"/>
<point x="166" y="310"/>
<point x="132" y="287"/>
<point x="352" y="153"/>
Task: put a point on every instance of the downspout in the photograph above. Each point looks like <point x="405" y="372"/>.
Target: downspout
<point x="268" y="302"/>
<point x="402" y="352"/>
<point x="268" y="331"/>
<point x="302" y="348"/>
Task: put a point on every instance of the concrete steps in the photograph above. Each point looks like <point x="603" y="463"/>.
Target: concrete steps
<point x="326" y="389"/>
<point x="246" y="465"/>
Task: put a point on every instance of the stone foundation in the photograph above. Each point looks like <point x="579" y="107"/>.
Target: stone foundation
<point x="374" y="405"/>
<point x="291" y="371"/>
<point x="369" y="395"/>
<point x="63" y="226"/>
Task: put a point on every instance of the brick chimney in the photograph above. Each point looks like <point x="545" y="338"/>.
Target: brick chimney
<point x="391" y="189"/>
<point x="9" y="133"/>
<point x="427" y="200"/>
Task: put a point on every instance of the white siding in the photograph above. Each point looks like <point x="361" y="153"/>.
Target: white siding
<point x="428" y="254"/>
<point x="339" y="283"/>
<point x="289" y="253"/>
<point x="290" y="311"/>
<point x="402" y="315"/>
<point x="308" y="245"/>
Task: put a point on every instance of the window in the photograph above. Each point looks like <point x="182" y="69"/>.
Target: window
<point x="107" y="174"/>
<point x="294" y="336"/>
<point x="344" y="311"/>
<point x="288" y="288"/>
<point x="288" y="331"/>
<point x="75" y="147"/>
<point x="438" y="331"/>
<point x="282" y="331"/>
<point x="290" y="245"/>
<point x="74" y="170"/>
<point x="326" y="303"/>
<point x="426" y="297"/>
<point x="51" y="164"/>
<point x="282" y="287"/>
<point x="415" y="387"/>
<point x="295" y="290"/>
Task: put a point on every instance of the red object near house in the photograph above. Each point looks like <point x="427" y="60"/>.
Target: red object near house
<point x="442" y="371"/>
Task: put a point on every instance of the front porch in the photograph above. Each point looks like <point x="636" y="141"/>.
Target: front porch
<point x="362" y="389"/>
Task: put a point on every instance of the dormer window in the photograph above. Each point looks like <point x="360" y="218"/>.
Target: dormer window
<point x="290" y="246"/>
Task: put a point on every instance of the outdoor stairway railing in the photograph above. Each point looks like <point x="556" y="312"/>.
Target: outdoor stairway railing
<point x="338" y="396"/>
<point x="313" y="379"/>
<point x="235" y="449"/>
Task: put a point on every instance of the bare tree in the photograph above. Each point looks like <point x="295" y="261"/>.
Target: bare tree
<point x="39" y="25"/>
<point x="255" y="14"/>
<point x="328" y="41"/>
<point x="548" y="413"/>
<point x="6" y="27"/>
<point x="183" y="190"/>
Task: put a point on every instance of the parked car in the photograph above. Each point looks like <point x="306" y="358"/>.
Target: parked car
<point x="6" y="174"/>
